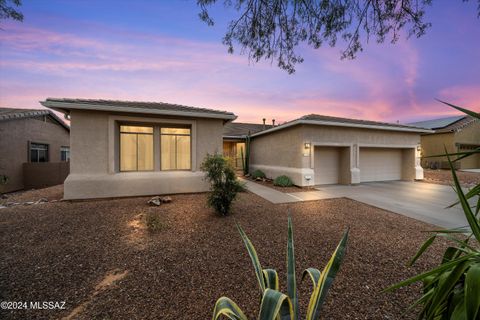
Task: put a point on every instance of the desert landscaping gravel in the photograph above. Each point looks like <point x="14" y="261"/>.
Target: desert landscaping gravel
<point x="99" y="257"/>
<point x="467" y="179"/>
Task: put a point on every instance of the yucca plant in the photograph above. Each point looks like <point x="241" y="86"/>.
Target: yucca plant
<point x="275" y="304"/>
<point x="452" y="290"/>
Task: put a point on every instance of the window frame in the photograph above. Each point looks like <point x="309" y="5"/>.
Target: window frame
<point x="47" y="152"/>
<point x="136" y="134"/>
<point x="166" y="126"/>
<point x="62" y="149"/>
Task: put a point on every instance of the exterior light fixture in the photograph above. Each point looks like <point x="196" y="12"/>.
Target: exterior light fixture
<point x="307" y="145"/>
<point x="419" y="148"/>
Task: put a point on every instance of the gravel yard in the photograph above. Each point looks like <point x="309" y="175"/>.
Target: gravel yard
<point x="292" y="189"/>
<point x="99" y="257"/>
<point x="467" y="179"/>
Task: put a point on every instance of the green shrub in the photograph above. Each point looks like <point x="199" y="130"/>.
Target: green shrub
<point x="275" y="304"/>
<point x="3" y="179"/>
<point x="224" y="185"/>
<point x="154" y="222"/>
<point x="283" y="181"/>
<point x="452" y="289"/>
<point x="258" y="174"/>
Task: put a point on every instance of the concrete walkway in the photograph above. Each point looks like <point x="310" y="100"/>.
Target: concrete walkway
<point x="422" y="201"/>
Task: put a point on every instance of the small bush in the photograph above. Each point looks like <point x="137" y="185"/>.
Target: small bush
<point x="154" y="222"/>
<point x="283" y="181"/>
<point x="224" y="185"/>
<point x="258" y="174"/>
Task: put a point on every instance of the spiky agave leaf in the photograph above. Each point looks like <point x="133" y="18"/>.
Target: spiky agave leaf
<point x="270" y="277"/>
<point x="472" y="292"/>
<point x="227" y="308"/>
<point x="254" y="257"/>
<point x="275" y="304"/>
<point x="326" y="279"/>
<point x="314" y="275"/>
<point x="291" y="278"/>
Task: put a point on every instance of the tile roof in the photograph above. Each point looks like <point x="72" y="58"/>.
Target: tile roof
<point x="448" y="124"/>
<point x="135" y="106"/>
<point x="437" y="123"/>
<point x="239" y="129"/>
<point x="7" y="114"/>
<point x="318" y="117"/>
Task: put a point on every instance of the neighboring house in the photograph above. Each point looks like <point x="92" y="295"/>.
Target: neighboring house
<point x="234" y="135"/>
<point x="33" y="143"/>
<point x="316" y="149"/>
<point x="456" y="134"/>
<point x="123" y="148"/>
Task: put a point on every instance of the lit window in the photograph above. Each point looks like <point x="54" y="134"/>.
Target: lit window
<point x="136" y="148"/>
<point x="38" y="152"/>
<point x="175" y="148"/>
<point x="65" y="154"/>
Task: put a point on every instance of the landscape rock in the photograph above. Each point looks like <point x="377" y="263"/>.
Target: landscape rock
<point x="166" y="199"/>
<point x="155" y="201"/>
<point x="41" y="200"/>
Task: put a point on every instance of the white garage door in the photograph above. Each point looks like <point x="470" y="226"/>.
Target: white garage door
<point x="326" y="165"/>
<point x="380" y="164"/>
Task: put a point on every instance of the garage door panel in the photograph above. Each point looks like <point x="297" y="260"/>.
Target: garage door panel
<point x="327" y="165"/>
<point x="380" y="164"/>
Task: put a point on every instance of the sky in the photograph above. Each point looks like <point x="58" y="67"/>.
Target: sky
<point x="162" y="51"/>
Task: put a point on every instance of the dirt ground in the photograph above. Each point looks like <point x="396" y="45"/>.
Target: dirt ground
<point x="99" y="257"/>
<point x="467" y="179"/>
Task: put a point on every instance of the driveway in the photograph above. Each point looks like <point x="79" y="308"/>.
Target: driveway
<point x="422" y="201"/>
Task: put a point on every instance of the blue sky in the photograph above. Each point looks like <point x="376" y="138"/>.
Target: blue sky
<point x="161" y="51"/>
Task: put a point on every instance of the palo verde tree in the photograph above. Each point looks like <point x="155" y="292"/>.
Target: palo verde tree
<point x="273" y="29"/>
<point x="8" y="10"/>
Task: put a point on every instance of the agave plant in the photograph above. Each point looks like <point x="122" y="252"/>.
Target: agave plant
<point x="275" y="304"/>
<point x="452" y="290"/>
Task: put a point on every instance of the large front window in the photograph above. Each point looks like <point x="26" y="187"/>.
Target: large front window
<point x="175" y="145"/>
<point x="136" y="148"/>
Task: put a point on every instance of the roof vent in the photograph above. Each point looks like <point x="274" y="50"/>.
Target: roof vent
<point x="273" y="122"/>
<point x="264" y="123"/>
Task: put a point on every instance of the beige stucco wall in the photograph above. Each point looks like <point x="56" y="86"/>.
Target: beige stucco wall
<point x="434" y="144"/>
<point x="94" y="157"/>
<point x="14" y="141"/>
<point x="283" y="152"/>
<point x="469" y="135"/>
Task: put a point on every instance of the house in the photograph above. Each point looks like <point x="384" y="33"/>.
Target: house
<point x="317" y="149"/>
<point x="234" y="135"/>
<point x="34" y="148"/>
<point x="125" y="148"/>
<point x="456" y="134"/>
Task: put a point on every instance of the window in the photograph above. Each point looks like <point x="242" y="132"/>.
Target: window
<point x="175" y="150"/>
<point x="65" y="154"/>
<point x="136" y="148"/>
<point x="38" y="152"/>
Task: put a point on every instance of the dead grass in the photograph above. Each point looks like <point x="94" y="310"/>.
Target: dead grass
<point x="64" y="251"/>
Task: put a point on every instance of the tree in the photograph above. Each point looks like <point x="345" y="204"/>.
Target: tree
<point x="8" y="10"/>
<point x="273" y="29"/>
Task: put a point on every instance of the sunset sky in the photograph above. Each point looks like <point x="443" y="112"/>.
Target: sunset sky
<point x="162" y="51"/>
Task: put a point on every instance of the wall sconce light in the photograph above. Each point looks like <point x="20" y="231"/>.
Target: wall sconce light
<point x="307" y="145"/>
<point x="419" y="148"/>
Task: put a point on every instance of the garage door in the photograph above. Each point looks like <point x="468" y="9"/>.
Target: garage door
<point x="327" y="165"/>
<point x="380" y="164"/>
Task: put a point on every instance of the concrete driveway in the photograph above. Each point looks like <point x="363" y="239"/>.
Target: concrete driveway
<point x="421" y="201"/>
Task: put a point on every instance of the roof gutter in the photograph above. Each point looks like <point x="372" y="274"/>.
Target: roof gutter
<point x="63" y="106"/>
<point x="341" y="124"/>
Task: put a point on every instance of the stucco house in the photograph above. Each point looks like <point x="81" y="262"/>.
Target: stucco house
<point x="457" y="134"/>
<point x="34" y="148"/>
<point x="316" y="149"/>
<point x="124" y="148"/>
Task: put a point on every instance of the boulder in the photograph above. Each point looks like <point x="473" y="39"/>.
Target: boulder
<point x="155" y="201"/>
<point x="166" y="199"/>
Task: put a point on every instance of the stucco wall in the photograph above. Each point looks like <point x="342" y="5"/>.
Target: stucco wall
<point x="433" y="144"/>
<point x="94" y="157"/>
<point x="283" y="152"/>
<point x="14" y="138"/>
